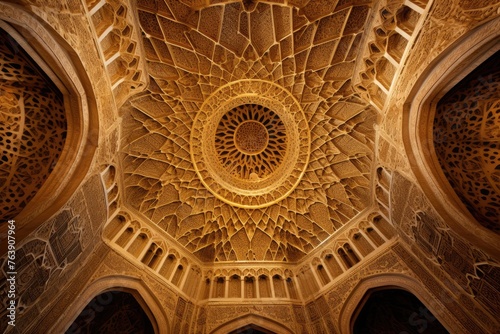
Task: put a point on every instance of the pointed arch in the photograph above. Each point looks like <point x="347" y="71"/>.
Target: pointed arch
<point x="418" y="117"/>
<point x="63" y="67"/>
<point x="350" y="309"/>
<point x="252" y="319"/>
<point x="144" y="296"/>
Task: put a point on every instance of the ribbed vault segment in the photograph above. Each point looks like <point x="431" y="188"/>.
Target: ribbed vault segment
<point x="310" y="51"/>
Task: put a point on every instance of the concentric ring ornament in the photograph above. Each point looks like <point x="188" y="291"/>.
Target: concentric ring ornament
<point x="250" y="143"/>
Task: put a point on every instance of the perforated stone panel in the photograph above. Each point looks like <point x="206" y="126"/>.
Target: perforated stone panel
<point x="467" y="141"/>
<point x="250" y="143"/>
<point x="251" y="137"/>
<point x="32" y="127"/>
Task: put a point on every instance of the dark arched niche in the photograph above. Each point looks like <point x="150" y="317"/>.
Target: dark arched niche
<point x="33" y="129"/>
<point x="467" y="141"/>
<point x="50" y="123"/>
<point x="394" y="311"/>
<point x="436" y="80"/>
<point x="112" y="312"/>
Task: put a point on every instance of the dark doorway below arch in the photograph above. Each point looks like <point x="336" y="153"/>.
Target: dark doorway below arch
<point x="251" y="329"/>
<point x="395" y="311"/>
<point x="112" y="312"/>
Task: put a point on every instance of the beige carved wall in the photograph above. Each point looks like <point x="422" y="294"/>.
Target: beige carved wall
<point x="254" y="162"/>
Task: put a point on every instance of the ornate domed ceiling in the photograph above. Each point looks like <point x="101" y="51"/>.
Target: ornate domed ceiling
<point x="268" y="163"/>
<point x="250" y="142"/>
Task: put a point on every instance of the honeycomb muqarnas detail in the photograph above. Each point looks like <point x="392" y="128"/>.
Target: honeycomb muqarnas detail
<point x="190" y="55"/>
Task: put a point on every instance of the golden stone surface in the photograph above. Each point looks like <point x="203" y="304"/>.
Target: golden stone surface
<point x="252" y="163"/>
<point x="251" y="137"/>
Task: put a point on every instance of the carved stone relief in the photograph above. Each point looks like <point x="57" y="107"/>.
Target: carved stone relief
<point x="46" y="259"/>
<point x="248" y="179"/>
<point x="188" y="61"/>
<point x="40" y="261"/>
<point x="465" y="265"/>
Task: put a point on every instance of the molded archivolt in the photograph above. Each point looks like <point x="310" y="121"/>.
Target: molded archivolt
<point x="357" y="298"/>
<point x="392" y="310"/>
<point x="104" y="287"/>
<point x="245" y="323"/>
<point x="46" y="137"/>
<point x="194" y="50"/>
<point x="112" y="312"/>
<point x="442" y="138"/>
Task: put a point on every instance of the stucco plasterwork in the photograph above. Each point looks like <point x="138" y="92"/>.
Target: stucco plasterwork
<point x="262" y="163"/>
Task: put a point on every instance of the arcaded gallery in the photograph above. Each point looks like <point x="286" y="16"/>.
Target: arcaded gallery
<point x="250" y="166"/>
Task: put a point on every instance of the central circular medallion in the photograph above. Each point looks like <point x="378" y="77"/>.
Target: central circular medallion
<point x="250" y="143"/>
<point x="251" y="137"/>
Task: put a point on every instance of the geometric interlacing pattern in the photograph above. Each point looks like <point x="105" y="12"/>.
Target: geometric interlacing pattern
<point x="32" y="127"/>
<point x="288" y="163"/>
<point x="307" y="49"/>
<point x="204" y="86"/>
